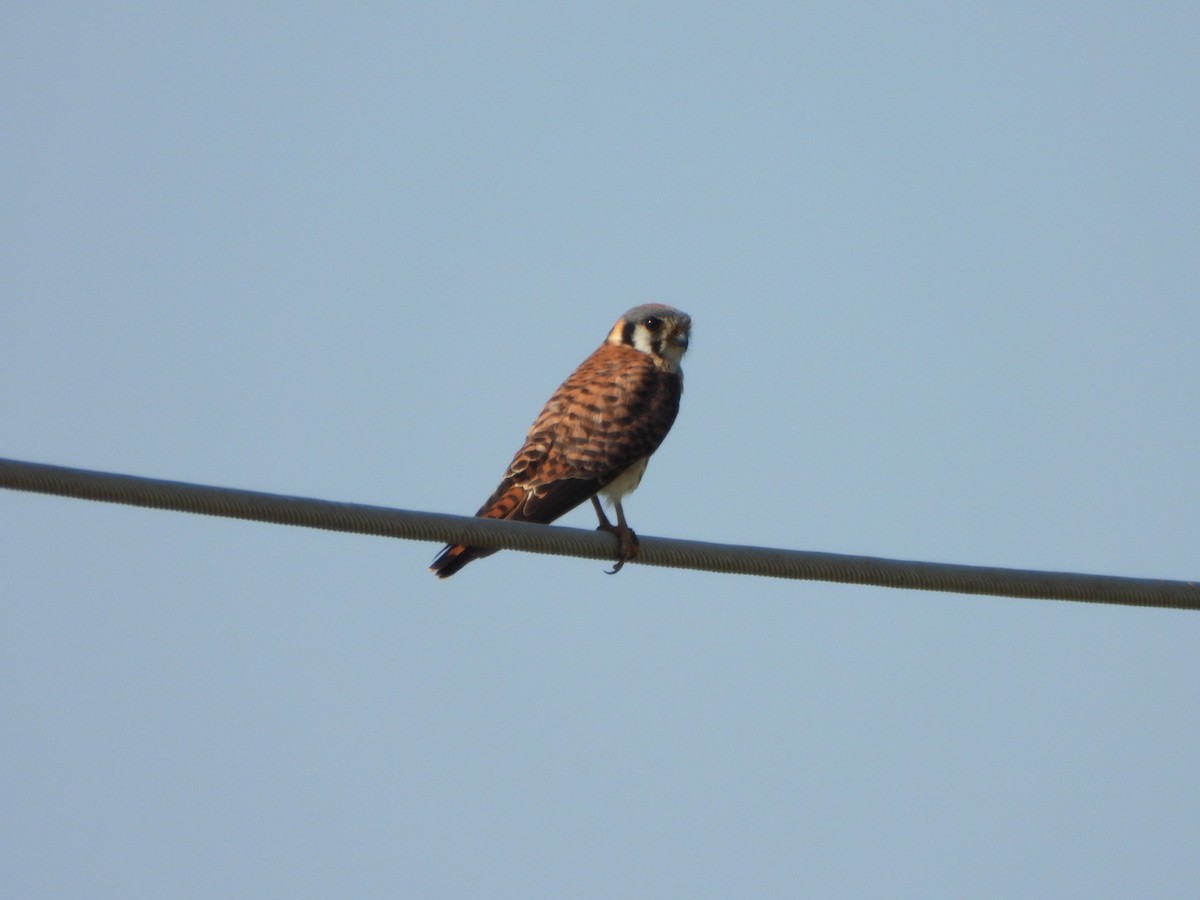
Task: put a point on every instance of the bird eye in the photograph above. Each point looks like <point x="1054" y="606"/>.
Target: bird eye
<point x="652" y="323"/>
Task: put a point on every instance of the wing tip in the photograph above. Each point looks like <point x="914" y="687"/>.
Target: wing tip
<point x="454" y="556"/>
<point x="449" y="561"/>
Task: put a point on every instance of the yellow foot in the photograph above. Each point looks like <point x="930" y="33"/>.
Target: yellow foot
<point x="627" y="545"/>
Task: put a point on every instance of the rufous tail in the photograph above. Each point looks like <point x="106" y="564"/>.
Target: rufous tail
<point x="454" y="556"/>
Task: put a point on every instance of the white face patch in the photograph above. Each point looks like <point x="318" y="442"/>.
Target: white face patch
<point x="666" y="343"/>
<point x="673" y="353"/>
<point x="642" y="338"/>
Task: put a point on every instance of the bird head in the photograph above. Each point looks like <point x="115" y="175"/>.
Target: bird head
<point x="660" y="331"/>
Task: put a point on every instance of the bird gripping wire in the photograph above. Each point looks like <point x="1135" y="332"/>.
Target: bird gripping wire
<point x="731" y="559"/>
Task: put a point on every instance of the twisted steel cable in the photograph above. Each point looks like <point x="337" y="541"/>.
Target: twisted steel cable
<point x="731" y="559"/>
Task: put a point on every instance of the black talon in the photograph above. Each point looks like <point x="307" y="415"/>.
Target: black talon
<point x="627" y="542"/>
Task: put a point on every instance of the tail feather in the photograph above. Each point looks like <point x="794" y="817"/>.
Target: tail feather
<point x="517" y="502"/>
<point x="454" y="556"/>
<point x="503" y="504"/>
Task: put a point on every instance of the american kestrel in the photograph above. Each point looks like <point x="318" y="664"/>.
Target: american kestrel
<point x="595" y="433"/>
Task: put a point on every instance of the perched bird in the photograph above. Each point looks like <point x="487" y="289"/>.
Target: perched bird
<point x="595" y="434"/>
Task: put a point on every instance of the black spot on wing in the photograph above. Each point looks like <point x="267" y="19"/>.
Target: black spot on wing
<point x="552" y="500"/>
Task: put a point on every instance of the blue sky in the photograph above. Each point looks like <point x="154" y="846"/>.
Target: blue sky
<point x="941" y="264"/>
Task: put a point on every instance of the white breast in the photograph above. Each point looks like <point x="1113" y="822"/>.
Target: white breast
<point x="626" y="481"/>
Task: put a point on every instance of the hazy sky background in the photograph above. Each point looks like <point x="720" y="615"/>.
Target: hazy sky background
<point x="942" y="262"/>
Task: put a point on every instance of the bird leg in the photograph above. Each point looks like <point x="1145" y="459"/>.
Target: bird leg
<point x="627" y="542"/>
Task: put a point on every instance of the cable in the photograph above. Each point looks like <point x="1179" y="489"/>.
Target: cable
<point x="731" y="559"/>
